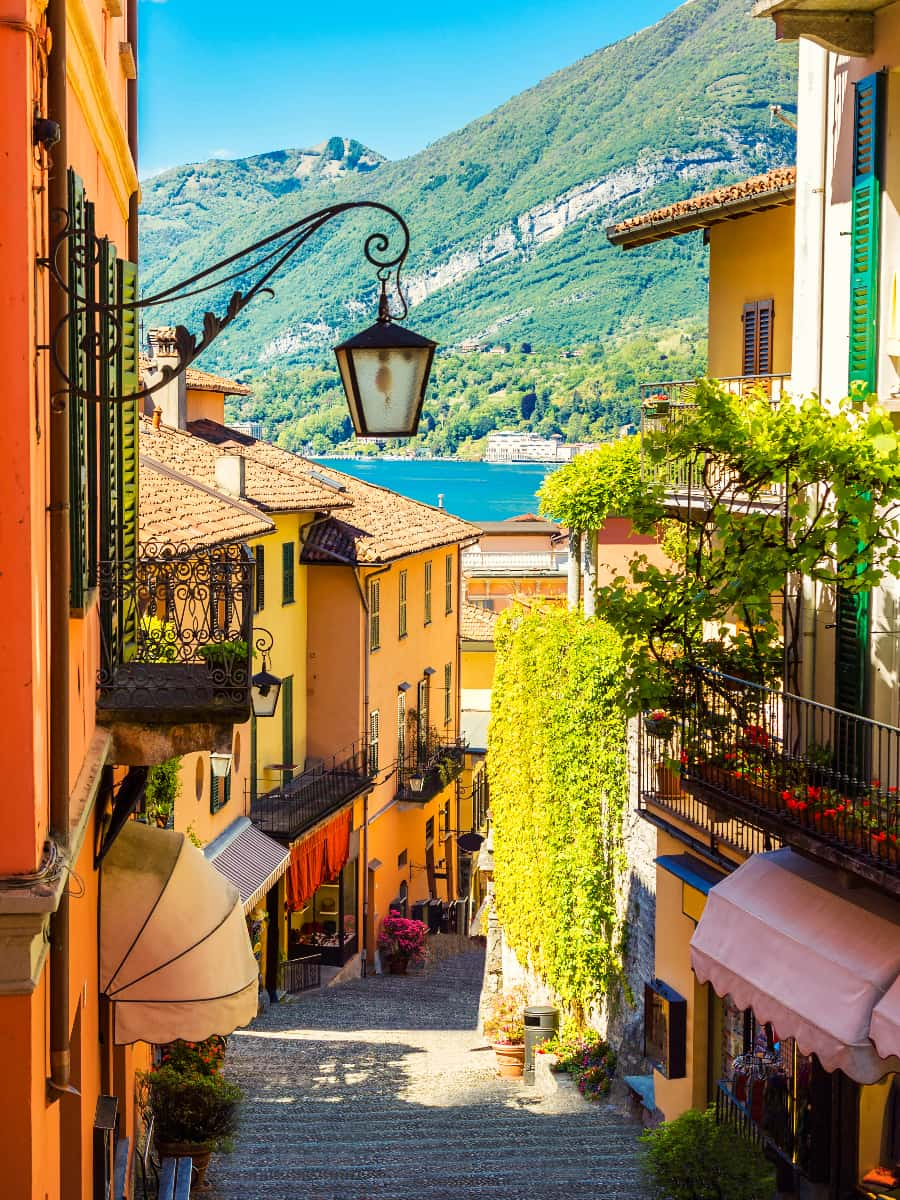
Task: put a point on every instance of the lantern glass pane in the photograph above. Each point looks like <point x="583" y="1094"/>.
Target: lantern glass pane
<point x="390" y="383"/>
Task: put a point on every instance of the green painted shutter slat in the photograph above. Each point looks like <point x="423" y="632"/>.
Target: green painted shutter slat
<point x="864" y="283"/>
<point x="127" y="385"/>
<point x="287" y="724"/>
<point x="853" y="626"/>
<point x="865" y="231"/>
<point x="77" y="258"/>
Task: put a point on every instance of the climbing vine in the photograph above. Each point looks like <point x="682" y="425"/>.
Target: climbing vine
<point x="558" y="768"/>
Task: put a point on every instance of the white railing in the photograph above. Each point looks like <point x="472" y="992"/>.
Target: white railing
<point x="497" y="560"/>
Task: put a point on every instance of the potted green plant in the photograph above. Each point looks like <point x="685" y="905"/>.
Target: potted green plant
<point x="163" y="786"/>
<point x="401" y="942"/>
<point x="194" y="1111"/>
<point x="659" y="724"/>
<point x="228" y="662"/>
<point x="504" y="1027"/>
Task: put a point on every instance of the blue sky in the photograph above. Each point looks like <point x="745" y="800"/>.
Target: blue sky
<point x="223" y="78"/>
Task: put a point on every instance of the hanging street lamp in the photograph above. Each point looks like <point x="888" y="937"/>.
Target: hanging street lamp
<point x="385" y="372"/>
<point x="384" y="369"/>
<point x="265" y="687"/>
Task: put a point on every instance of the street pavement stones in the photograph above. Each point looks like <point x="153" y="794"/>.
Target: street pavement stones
<point x="383" y="1089"/>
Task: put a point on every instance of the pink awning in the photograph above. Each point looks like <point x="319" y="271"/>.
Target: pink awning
<point x="782" y="937"/>
<point x="886" y="1023"/>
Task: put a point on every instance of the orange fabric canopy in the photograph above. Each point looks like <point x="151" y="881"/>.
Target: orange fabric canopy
<point x="318" y="859"/>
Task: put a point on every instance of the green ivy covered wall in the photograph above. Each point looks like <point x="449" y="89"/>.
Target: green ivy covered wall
<point x="557" y="759"/>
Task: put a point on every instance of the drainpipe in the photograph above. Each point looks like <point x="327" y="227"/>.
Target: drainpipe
<point x="131" y="32"/>
<point x="574" y="568"/>
<point x="817" y="95"/>
<point x="362" y="585"/>
<point x="58" y="549"/>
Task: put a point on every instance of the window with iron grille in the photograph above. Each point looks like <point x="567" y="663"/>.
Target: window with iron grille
<point x="287" y="573"/>
<point x="374" y="723"/>
<point x="448" y="678"/>
<point x="448" y="584"/>
<point x="219" y="791"/>
<point x="428" y="593"/>
<point x="402" y="613"/>
<point x="259" y="555"/>
<point x="375" y="614"/>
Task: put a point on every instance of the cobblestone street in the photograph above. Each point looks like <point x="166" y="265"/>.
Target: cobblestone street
<point x="384" y="1088"/>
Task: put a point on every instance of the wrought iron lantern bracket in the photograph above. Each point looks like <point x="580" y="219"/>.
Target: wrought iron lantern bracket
<point x="100" y="324"/>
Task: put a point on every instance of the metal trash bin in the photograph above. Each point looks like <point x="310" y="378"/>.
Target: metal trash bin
<point x="541" y="1022"/>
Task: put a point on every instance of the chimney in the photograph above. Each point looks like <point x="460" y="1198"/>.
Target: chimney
<point x="230" y="474"/>
<point x="172" y="398"/>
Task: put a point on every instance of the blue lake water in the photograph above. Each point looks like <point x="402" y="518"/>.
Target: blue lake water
<point x="472" y="490"/>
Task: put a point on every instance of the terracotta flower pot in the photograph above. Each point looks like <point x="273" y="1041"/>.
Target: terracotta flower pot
<point x="668" y="781"/>
<point x="510" y="1061"/>
<point x="199" y="1153"/>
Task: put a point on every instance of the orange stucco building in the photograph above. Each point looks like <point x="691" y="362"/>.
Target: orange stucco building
<point x="91" y="699"/>
<point x="360" y="589"/>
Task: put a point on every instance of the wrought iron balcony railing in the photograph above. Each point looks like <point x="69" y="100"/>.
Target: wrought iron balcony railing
<point x="298" y="802"/>
<point x="429" y="767"/>
<point x="667" y="407"/>
<point x="809" y="775"/>
<point x="175" y="629"/>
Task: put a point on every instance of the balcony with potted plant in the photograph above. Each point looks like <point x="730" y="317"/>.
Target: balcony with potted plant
<point x="175" y="659"/>
<point x="431" y="767"/>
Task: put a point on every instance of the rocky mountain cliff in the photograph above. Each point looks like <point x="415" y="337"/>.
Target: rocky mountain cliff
<point x="507" y="214"/>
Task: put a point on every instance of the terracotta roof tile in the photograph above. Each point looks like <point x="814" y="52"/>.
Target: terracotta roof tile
<point x="177" y="510"/>
<point x="476" y="624"/>
<point x="203" y="381"/>
<point x="378" y="524"/>
<point x="271" y="487"/>
<point x="747" y="195"/>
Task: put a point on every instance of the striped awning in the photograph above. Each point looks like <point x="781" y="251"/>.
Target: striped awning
<point x="251" y="860"/>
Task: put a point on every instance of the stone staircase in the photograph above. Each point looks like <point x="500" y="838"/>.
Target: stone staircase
<point x="383" y="1088"/>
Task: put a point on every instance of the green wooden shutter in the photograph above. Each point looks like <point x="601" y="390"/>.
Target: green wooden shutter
<point x="259" y="553"/>
<point x="865" y="223"/>
<point x="254" y="761"/>
<point x="852" y="619"/>
<point x="287" y="725"/>
<point x="126" y="533"/>
<point x="77" y="259"/>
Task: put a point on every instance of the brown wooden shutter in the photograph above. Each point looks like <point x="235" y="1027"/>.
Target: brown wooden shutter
<point x="758" y="319"/>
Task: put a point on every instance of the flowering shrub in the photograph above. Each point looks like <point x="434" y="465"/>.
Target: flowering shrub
<point x="504" y="1017"/>
<point x="206" y="1057"/>
<point x="402" y="938"/>
<point x="585" y="1056"/>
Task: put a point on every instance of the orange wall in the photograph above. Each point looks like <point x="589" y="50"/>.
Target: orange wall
<point x="335" y="682"/>
<point x="205" y="405"/>
<point x="30" y="1132"/>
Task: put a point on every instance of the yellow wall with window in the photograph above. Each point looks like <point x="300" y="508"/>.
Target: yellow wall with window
<point x="750" y="259"/>
<point x="287" y="622"/>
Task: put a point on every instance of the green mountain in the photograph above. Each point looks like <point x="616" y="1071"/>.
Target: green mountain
<point x="507" y="215"/>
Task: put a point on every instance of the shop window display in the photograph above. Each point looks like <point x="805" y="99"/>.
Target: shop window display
<point x="327" y="922"/>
